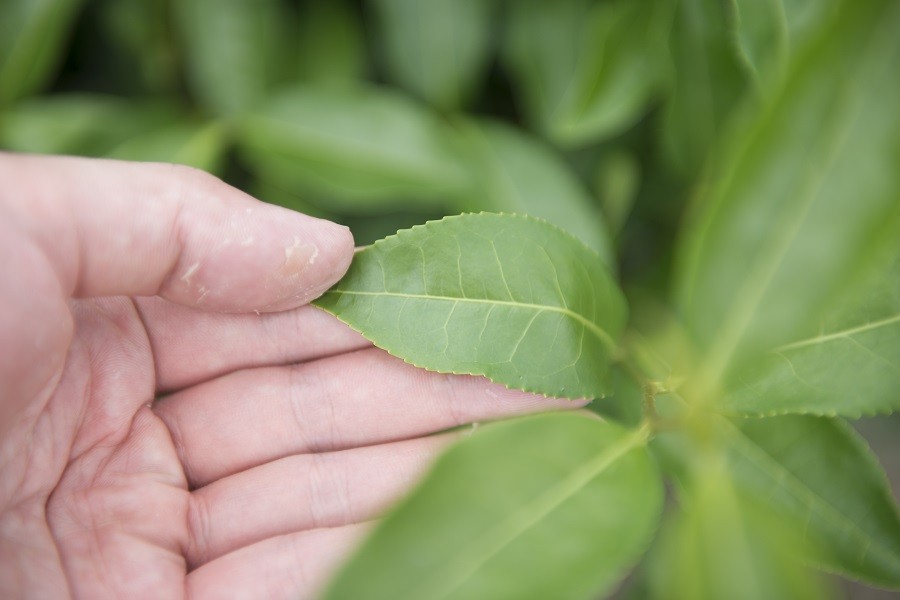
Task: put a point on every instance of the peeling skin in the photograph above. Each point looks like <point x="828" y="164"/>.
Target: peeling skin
<point x="297" y="257"/>
<point x="204" y="291"/>
<point x="190" y="271"/>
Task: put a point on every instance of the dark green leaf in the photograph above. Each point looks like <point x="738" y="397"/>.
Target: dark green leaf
<point x="438" y="49"/>
<point x="587" y="70"/>
<point x="710" y="80"/>
<point x="518" y="174"/>
<point x="508" y="297"/>
<point x="364" y="145"/>
<point x="331" y="44"/>
<point x="554" y="506"/>
<point x="807" y="198"/>
<point x="32" y="34"/>
<point x="234" y="50"/>
<point x="823" y="479"/>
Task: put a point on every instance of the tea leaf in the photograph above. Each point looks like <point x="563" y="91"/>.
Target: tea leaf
<point x="32" y="34"/>
<point x="200" y="145"/>
<point x="851" y="366"/>
<point x="83" y="124"/>
<point x="560" y="517"/>
<point x="508" y="297"/>
<point x="807" y="193"/>
<point x="821" y="476"/>
<point x="720" y="544"/>
<point x="234" y="50"/>
<point x="365" y="145"/>
<point x="438" y="49"/>
<point x="518" y="174"/>
<point x="587" y="70"/>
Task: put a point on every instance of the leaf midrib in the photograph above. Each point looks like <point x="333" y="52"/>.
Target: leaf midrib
<point x="598" y="332"/>
<point x="800" y="490"/>
<point x="838" y="335"/>
<point x="494" y="540"/>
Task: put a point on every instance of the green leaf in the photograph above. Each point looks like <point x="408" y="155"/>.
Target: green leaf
<point x="767" y="31"/>
<point x="200" y="145"/>
<point x="850" y="367"/>
<point x="807" y="196"/>
<point x="722" y="545"/>
<point x="83" y="124"/>
<point x="32" y="34"/>
<point x="141" y="43"/>
<point x="330" y="42"/>
<point x="508" y="297"/>
<point x="364" y="145"/>
<point x="823" y="479"/>
<point x="438" y="49"/>
<point x="562" y="516"/>
<point x="587" y="70"/>
<point x="518" y="174"/>
<point x="710" y="81"/>
<point x="235" y="49"/>
<point x="616" y="181"/>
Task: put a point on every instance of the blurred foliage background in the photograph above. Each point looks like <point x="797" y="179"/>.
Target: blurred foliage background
<point x="603" y="117"/>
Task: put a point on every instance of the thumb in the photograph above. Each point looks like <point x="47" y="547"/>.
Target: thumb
<point x="117" y="228"/>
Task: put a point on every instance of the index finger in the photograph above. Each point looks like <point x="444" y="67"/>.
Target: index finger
<point x="111" y="227"/>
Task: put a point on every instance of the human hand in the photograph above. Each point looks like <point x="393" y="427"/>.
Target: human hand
<point x="174" y="421"/>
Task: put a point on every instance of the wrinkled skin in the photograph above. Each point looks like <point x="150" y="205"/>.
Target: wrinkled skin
<point x="174" y="420"/>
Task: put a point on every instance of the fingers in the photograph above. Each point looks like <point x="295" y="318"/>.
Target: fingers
<point x="357" y="399"/>
<point x="118" y="228"/>
<point x="304" y="492"/>
<point x="190" y="345"/>
<point x="295" y="566"/>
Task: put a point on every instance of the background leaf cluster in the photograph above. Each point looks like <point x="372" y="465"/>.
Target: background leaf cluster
<point x="734" y="165"/>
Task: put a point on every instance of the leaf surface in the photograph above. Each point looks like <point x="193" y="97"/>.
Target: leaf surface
<point x="809" y="191"/>
<point x="519" y="174"/>
<point x="364" y="145"/>
<point x="552" y="506"/>
<point x="508" y="297"/>
<point x="586" y="70"/>
<point x="822" y="478"/>
<point x="437" y="49"/>
<point x="32" y="34"/>
<point x="720" y="544"/>
<point x="200" y="145"/>
<point x="234" y="50"/>
<point x="81" y="124"/>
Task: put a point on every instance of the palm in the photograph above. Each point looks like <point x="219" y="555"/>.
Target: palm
<point x="148" y="447"/>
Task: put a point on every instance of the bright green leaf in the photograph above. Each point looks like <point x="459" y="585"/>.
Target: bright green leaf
<point x="508" y="297"/>
<point x="587" y="70"/>
<point x="364" y="145"/>
<point x="850" y="367"/>
<point x="194" y="144"/>
<point x="722" y="545"/>
<point x="32" y="34"/>
<point x="82" y="124"/>
<point x="234" y="50"/>
<point x="553" y="506"/>
<point x="438" y="49"/>
<point x="807" y="196"/>
<point x="330" y="41"/>
<point x="518" y="174"/>
<point x="823" y="479"/>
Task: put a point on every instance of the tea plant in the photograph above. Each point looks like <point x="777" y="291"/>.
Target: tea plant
<point x="711" y="253"/>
